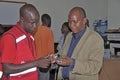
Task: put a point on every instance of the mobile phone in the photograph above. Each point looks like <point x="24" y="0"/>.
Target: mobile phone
<point x="58" y="59"/>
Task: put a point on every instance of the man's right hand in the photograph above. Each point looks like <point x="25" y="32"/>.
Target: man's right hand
<point x="43" y="62"/>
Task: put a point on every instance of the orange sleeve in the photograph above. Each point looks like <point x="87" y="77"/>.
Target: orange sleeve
<point x="51" y="43"/>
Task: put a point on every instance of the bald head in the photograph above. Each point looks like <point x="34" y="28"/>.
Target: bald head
<point x="27" y="8"/>
<point x="78" y="10"/>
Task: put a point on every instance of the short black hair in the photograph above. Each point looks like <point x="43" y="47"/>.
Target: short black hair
<point x="67" y="25"/>
<point x="46" y="19"/>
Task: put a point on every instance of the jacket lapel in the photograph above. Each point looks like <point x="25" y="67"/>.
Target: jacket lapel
<point x="80" y="44"/>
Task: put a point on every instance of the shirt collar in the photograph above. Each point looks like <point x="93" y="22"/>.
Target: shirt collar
<point x="78" y="35"/>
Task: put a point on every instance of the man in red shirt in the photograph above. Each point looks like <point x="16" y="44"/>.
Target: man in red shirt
<point x="18" y="50"/>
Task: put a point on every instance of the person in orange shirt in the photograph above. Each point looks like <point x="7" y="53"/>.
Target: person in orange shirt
<point x="44" y="41"/>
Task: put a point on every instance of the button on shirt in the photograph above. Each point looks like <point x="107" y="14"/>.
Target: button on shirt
<point x="74" y="41"/>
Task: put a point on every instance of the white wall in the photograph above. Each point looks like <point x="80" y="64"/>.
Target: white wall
<point x="114" y="14"/>
<point x="9" y="12"/>
<point x="58" y="10"/>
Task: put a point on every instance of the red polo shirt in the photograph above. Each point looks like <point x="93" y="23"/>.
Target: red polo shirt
<point x="18" y="48"/>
